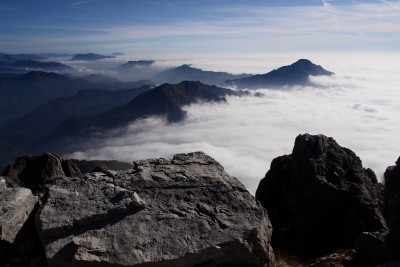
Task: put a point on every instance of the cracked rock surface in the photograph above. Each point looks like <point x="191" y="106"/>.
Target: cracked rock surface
<point x="181" y="212"/>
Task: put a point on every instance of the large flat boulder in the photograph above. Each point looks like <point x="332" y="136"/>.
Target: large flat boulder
<point x="320" y="198"/>
<point x="16" y="204"/>
<point x="181" y="212"/>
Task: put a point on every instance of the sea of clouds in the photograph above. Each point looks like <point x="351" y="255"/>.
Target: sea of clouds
<point x="358" y="107"/>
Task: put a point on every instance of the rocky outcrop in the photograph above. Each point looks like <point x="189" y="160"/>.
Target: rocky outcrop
<point x="31" y="171"/>
<point x="19" y="245"/>
<point x="320" y="198"/>
<point x="16" y="206"/>
<point x="181" y="212"/>
<point x="391" y="211"/>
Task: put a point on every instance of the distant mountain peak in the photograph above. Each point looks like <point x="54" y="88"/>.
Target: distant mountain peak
<point x="311" y="68"/>
<point x="189" y="73"/>
<point x="90" y="56"/>
<point x="297" y="73"/>
<point x="186" y="66"/>
<point x="134" y="64"/>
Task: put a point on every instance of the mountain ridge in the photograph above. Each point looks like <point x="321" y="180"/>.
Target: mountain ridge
<point x="186" y="72"/>
<point x="291" y="75"/>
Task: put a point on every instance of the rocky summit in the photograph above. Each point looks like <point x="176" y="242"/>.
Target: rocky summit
<point x="324" y="206"/>
<point x="181" y="212"/>
<point x="320" y="198"/>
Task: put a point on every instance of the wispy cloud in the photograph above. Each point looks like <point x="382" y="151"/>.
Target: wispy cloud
<point x="79" y="3"/>
<point x="327" y="27"/>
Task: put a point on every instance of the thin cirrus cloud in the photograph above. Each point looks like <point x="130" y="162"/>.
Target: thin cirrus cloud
<point x="79" y="3"/>
<point x="327" y="27"/>
<point x="358" y="107"/>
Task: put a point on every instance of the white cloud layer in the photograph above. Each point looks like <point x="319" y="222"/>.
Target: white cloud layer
<point x="358" y="107"/>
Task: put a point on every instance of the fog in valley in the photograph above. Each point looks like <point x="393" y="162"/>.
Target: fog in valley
<point x="358" y="107"/>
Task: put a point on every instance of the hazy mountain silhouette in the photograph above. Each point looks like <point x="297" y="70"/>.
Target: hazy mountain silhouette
<point x="42" y="120"/>
<point x="20" y="93"/>
<point x="131" y="65"/>
<point x="15" y="57"/>
<point x="164" y="100"/>
<point x="36" y="65"/>
<point x="98" y="78"/>
<point x="188" y="73"/>
<point x="89" y="57"/>
<point x="295" y="74"/>
<point x="55" y="55"/>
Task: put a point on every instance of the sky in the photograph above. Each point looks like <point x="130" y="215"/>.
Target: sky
<point x="170" y="28"/>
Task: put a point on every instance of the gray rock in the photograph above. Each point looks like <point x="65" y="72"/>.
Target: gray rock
<point x="320" y="198"/>
<point x="16" y="204"/>
<point x="3" y="184"/>
<point x="181" y="212"/>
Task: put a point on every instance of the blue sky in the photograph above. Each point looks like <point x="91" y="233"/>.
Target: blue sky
<point x="157" y="28"/>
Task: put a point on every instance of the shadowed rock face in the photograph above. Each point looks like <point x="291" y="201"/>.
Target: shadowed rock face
<point x="181" y="212"/>
<point x="31" y="171"/>
<point x="391" y="212"/>
<point x="320" y="197"/>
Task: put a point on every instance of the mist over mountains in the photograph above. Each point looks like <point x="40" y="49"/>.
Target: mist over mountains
<point x="89" y="113"/>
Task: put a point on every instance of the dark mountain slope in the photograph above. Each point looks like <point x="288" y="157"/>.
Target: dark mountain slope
<point x="37" y="65"/>
<point x="45" y="118"/>
<point x="15" y="57"/>
<point x="98" y="78"/>
<point x="188" y="73"/>
<point x="165" y="100"/>
<point x="19" y="137"/>
<point x="21" y="93"/>
<point x="295" y="74"/>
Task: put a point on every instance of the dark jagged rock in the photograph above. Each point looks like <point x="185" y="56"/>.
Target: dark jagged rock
<point x="391" y="212"/>
<point x="297" y="73"/>
<point x="369" y="248"/>
<point x="182" y="212"/>
<point x="31" y="171"/>
<point x="320" y="198"/>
